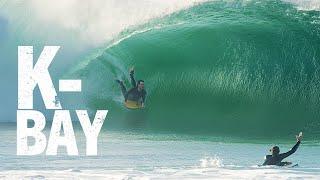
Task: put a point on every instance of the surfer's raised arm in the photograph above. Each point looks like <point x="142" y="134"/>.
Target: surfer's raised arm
<point x="294" y="148"/>
<point x="275" y="158"/>
<point x="133" y="81"/>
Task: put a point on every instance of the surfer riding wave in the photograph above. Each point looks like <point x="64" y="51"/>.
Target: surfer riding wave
<point x="136" y="96"/>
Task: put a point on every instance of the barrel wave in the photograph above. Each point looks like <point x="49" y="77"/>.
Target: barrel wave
<point x="242" y="67"/>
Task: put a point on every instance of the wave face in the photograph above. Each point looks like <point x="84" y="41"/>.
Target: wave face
<point x="218" y="67"/>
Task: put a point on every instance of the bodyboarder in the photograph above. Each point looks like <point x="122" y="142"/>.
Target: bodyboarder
<point x="136" y="96"/>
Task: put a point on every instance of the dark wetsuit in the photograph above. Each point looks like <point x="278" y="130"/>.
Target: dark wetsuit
<point x="133" y="94"/>
<point x="276" y="159"/>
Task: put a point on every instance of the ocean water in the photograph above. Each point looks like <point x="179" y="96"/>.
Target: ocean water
<point x="233" y="67"/>
<point x="226" y="80"/>
<point x="143" y="155"/>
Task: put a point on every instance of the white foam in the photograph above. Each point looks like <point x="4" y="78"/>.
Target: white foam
<point x="306" y="5"/>
<point x="92" y="21"/>
<point x="211" y="162"/>
<point x="166" y="173"/>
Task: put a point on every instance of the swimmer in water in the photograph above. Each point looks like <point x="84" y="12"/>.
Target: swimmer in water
<point x="276" y="158"/>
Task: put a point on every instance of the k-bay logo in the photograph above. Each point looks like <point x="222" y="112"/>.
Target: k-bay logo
<point x="29" y="76"/>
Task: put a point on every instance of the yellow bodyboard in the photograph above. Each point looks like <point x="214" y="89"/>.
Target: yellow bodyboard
<point x="132" y="104"/>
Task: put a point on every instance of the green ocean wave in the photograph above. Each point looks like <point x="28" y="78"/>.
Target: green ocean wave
<point x="234" y="67"/>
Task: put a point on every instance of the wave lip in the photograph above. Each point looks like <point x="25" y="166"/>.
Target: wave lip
<point x="306" y="5"/>
<point x="89" y="23"/>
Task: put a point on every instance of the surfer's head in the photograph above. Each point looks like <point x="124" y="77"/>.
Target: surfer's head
<point x="140" y="85"/>
<point x="275" y="150"/>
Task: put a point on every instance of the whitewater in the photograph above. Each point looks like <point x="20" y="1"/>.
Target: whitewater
<point x="143" y="155"/>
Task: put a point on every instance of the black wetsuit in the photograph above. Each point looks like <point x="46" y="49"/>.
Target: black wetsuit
<point x="133" y="94"/>
<point x="276" y="159"/>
